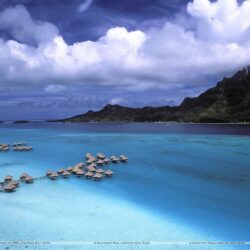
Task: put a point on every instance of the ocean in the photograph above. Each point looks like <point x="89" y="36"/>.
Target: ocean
<point x="184" y="186"/>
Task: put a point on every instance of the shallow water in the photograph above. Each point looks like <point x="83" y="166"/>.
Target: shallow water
<point x="182" y="183"/>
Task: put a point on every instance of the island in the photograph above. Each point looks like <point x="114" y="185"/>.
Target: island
<point x="227" y="102"/>
<point x="21" y="121"/>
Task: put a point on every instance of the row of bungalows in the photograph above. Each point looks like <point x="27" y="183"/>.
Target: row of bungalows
<point x="102" y="159"/>
<point x="22" y="148"/>
<point x="10" y="185"/>
<point x="4" y="147"/>
<point x="80" y="170"/>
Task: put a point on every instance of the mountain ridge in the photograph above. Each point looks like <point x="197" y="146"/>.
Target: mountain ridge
<point x="227" y="102"/>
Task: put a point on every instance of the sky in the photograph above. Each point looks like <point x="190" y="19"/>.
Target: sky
<point x="60" y="58"/>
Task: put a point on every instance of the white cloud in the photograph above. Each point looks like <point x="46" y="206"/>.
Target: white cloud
<point x="84" y="6"/>
<point x="170" y="56"/>
<point x="22" y="27"/>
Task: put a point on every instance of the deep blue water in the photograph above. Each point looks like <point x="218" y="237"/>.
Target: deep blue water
<point x="182" y="182"/>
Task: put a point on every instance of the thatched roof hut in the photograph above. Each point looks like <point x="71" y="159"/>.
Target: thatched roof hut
<point x="89" y="175"/>
<point x="100" y="171"/>
<point x="90" y="160"/>
<point x="60" y="171"/>
<point x="106" y="160"/>
<point x="92" y="165"/>
<point x="49" y="172"/>
<point x="80" y="173"/>
<point x="91" y="169"/>
<point x="80" y="165"/>
<point x="101" y="156"/>
<point x="75" y="170"/>
<point x="100" y="162"/>
<point x="114" y="159"/>
<point x="53" y="176"/>
<point x="29" y="179"/>
<point x="8" y="178"/>
<point x="97" y="177"/>
<point x="23" y="175"/>
<point x="123" y="158"/>
<point x="15" y="183"/>
<point x="66" y="174"/>
<point x="70" y="169"/>
<point x="109" y="173"/>
<point x="88" y="155"/>
<point x="10" y="187"/>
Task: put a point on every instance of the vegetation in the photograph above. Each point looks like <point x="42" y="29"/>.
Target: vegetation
<point x="228" y="102"/>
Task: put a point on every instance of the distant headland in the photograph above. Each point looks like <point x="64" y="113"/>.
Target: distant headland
<point x="227" y="102"/>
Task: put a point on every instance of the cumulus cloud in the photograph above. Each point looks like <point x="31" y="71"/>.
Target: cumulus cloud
<point x="18" y="22"/>
<point x="165" y="57"/>
<point x="84" y="6"/>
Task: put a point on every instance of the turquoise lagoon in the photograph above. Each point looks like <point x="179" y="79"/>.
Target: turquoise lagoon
<point x="183" y="183"/>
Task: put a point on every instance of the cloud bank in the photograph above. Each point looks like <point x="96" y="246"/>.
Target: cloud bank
<point x="210" y="39"/>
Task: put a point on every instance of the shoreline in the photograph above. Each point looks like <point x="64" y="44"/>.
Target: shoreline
<point x="127" y="122"/>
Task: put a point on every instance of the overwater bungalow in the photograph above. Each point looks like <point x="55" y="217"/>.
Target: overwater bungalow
<point x="91" y="169"/>
<point x="101" y="156"/>
<point x="89" y="175"/>
<point x="10" y="187"/>
<point x="66" y="174"/>
<point x="53" y="176"/>
<point x="19" y="148"/>
<point x="123" y="158"/>
<point x="27" y="148"/>
<point x="4" y="149"/>
<point x="100" y="162"/>
<point x="49" y="172"/>
<point x="106" y="160"/>
<point x="109" y="173"/>
<point x="100" y="171"/>
<point x="88" y="155"/>
<point x="114" y="159"/>
<point x="15" y="183"/>
<point x="92" y="165"/>
<point x="97" y="177"/>
<point x="80" y="173"/>
<point x="90" y="160"/>
<point x="70" y="169"/>
<point x="22" y="176"/>
<point x="60" y="171"/>
<point x="75" y="170"/>
<point x="8" y="178"/>
<point x="80" y="165"/>
<point x="28" y="179"/>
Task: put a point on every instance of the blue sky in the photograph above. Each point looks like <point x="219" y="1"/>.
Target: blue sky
<point x="61" y="58"/>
